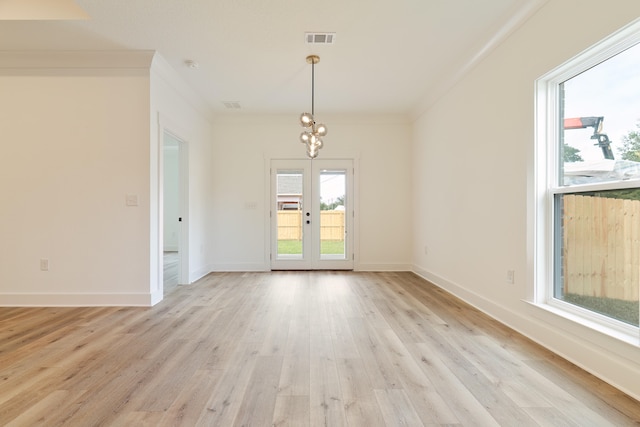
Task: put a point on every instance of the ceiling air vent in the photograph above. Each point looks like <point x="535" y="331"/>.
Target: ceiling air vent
<point x="231" y="105"/>
<point x="320" y="38"/>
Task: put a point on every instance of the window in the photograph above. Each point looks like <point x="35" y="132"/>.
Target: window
<point x="587" y="195"/>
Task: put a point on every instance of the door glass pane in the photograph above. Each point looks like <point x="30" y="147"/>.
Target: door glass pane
<point x="289" y="214"/>
<point x="332" y="214"/>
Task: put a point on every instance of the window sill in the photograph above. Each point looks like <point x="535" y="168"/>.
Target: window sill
<point x="624" y="333"/>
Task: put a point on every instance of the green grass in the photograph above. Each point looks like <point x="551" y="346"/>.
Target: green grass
<point x="332" y="247"/>
<point x="625" y="311"/>
<point x="327" y="247"/>
<point x="286" y="247"/>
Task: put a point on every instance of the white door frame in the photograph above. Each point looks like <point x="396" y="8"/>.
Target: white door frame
<point x="312" y="260"/>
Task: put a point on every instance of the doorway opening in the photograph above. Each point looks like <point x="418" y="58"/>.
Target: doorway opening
<point x="173" y="194"/>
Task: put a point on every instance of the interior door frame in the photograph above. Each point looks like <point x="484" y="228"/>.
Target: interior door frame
<point x="315" y="262"/>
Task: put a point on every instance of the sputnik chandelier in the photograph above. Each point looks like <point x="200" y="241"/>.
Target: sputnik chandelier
<point x="312" y="136"/>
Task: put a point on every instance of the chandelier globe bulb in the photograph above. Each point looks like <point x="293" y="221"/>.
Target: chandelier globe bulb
<point x="306" y="120"/>
<point x="321" y="130"/>
<point x="305" y="137"/>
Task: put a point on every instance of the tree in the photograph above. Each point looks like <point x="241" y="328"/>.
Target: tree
<point x="332" y="205"/>
<point x="631" y="145"/>
<point x="570" y="154"/>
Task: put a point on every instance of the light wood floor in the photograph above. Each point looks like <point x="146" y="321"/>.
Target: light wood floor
<point x="297" y="349"/>
<point x="170" y="272"/>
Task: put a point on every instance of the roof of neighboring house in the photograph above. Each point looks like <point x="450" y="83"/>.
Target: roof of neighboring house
<point x="289" y="184"/>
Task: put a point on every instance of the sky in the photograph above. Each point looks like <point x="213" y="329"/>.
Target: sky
<point x="610" y="89"/>
<point x="332" y="186"/>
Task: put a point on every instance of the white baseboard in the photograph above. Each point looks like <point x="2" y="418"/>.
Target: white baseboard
<point x="156" y="297"/>
<point x="477" y="301"/>
<point x="198" y="274"/>
<point x="554" y="338"/>
<point x="240" y="267"/>
<point x="382" y="267"/>
<point x="77" y="300"/>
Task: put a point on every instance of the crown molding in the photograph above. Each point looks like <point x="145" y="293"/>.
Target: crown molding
<point x="519" y="16"/>
<point x="19" y="62"/>
<point x="41" y="10"/>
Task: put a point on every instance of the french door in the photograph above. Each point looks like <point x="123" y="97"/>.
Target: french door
<point x="312" y="214"/>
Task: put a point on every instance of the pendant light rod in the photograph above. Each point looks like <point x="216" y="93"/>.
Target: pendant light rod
<point x="313" y="60"/>
<point x="312" y="137"/>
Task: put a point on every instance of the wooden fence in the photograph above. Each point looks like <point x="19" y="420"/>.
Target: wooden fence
<point x="601" y="242"/>
<point x="290" y="225"/>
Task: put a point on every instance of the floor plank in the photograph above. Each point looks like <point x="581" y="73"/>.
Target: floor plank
<point x="170" y="267"/>
<point x="396" y="408"/>
<point x="291" y="411"/>
<point x="291" y="349"/>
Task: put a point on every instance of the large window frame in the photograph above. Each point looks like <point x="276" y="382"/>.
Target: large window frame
<point x="546" y="185"/>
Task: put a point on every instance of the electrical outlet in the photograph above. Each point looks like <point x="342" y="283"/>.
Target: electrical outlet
<point x="44" y="264"/>
<point x="426" y="250"/>
<point x="511" y="277"/>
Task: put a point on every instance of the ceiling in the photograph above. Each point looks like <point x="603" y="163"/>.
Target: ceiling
<point x="389" y="56"/>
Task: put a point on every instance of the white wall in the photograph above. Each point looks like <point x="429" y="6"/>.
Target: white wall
<point x="472" y="159"/>
<point x="74" y="145"/>
<point x="76" y="142"/>
<point x="243" y="145"/>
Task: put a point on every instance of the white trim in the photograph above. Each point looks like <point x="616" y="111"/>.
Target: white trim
<point x="516" y="19"/>
<point x="559" y="326"/>
<point x="610" y="46"/>
<point x="266" y="258"/>
<point x="605" y="325"/>
<point x="240" y="267"/>
<point x="199" y="274"/>
<point x="155" y="208"/>
<point x="355" y="241"/>
<point x="350" y="119"/>
<point x="78" y="300"/>
<point x="157" y="296"/>
<point x="56" y="62"/>
<point x="382" y="267"/>
<point x="597" y="186"/>
<point x="476" y="300"/>
<point x="235" y="267"/>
